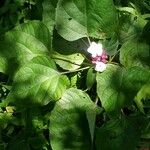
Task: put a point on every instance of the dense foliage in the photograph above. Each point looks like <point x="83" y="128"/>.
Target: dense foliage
<point x="51" y="97"/>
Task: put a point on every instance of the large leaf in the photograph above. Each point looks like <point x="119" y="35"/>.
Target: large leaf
<point x="65" y="47"/>
<point x="69" y="62"/>
<point x="38" y="83"/>
<point x="22" y="44"/>
<point x="69" y="126"/>
<point x="117" y="87"/>
<point x="76" y="19"/>
<point x="135" y="53"/>
<point x="109" y="89"/>
<point x="38" y="30"/>
<point x="120" y="134"/>
<point x="49" y="13"/>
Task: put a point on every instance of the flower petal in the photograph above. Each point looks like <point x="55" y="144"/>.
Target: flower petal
<point x="95" y="49"/>
<point x="100" y="66"/>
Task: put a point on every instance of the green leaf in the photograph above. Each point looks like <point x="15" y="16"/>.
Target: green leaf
<point x="111" y="45"/>
<point x="102" y="18"/>
<point x="69" y="126"/>
<point x="49" y="13"/>
<point x="77" y="19"/>
<point x="69" y="62"/>
<point x="65" y="47"/>
<point x="71" y="19"/>
<point x="73" y="80"/>
<point x="37" y="142"/>
<point x="38" y="30"/>
<point x="117" y="87"/>
<point x="135" y="53"/>
<point x="135" y="78"/>
<point x="20" y="144"/>
<point x="37" y="84"/>
<point x="146" y="32"/>
<point x="143" y="94"/>
<point x="90" y="78"/>
<point x="18" y="141"/>
<point x="91" y="117"/>
<point x="109" y="89"/>
<point x="120" y="134"/>
<point x="131" y="26"/>
<point x="20" y="45"/>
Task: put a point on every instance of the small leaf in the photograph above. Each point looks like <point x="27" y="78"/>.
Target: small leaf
<point x="73" y="81"/>
<point x="68" y="62"/>
<point x="90" y="78"/>
<point x="143" y="94"/>
<point x="91" y="117"/>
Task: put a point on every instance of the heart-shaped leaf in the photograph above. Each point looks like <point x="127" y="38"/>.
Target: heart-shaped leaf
<point x="20" y="45"/>
<point x="77" y="19"/>
<point x="37" y="84"/>
<point x="69" y="126"/>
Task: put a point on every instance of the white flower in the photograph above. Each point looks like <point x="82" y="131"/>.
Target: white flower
<point x="100" y="66"/>
<point x="95" y="49"/>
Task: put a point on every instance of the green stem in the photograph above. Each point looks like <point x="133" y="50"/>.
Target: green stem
<point x="71" y="71"/>
<point x="113" y="56"/>
<point x="84" y="63"/>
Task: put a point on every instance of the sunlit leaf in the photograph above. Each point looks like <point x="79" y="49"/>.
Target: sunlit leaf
<point x="77" y="19"/>
<point x="69" y="62"/>
<point x="37" y="84"/>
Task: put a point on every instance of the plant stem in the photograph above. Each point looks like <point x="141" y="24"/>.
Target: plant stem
<point x="71" y="71"/>
<point x="113" y="56"/>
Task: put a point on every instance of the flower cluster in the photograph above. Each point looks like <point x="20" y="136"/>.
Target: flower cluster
<point x="98" y="57"/>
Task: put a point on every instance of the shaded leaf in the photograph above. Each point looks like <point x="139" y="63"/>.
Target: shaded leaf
<point x="143" y="94"/>
<point x="135" y="53"/>
<point x="49" y="13"/>
<point x="69" y="126"/>
<point x="120" y="134"/>
<point x="131" y="26"/>
<point x="110" y="89"/>
<point x="135" y="78"/>
<point x="90" y="78"/>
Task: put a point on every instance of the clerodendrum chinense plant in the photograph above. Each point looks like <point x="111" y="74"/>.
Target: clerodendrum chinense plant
<point x="57" y="91"/>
